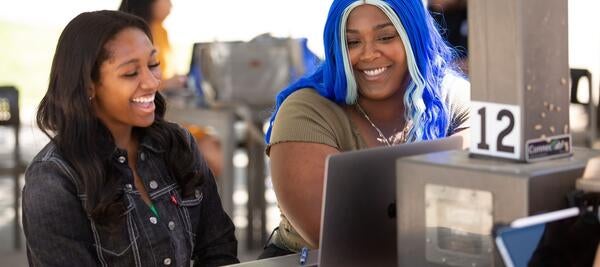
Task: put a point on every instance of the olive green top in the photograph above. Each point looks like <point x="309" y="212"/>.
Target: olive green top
<point x="306" y="116"/>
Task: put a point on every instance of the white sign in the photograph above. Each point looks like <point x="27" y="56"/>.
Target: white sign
<point x="495" y="130"/>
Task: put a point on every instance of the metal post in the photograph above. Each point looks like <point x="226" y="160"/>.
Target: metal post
<point x="256" y="231"/>
<point x="518" y="62"/>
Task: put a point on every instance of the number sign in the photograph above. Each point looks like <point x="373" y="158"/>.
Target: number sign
<point x="495" y="130"/>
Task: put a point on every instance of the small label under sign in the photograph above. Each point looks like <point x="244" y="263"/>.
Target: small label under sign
<point x="547" y="148"/>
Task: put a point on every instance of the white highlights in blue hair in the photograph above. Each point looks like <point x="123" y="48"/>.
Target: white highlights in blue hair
<point x="414" y="92"/>
<point x="351" y="90"/>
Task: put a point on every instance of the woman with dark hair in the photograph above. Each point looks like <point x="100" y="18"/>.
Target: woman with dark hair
<point x="154" y="12"/>
<point x="387" y="79"/>
<point x="117" y="185"/>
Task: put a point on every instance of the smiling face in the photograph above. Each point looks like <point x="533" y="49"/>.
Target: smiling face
<point x="376" y="53"/>
<point x="124" y="96"/>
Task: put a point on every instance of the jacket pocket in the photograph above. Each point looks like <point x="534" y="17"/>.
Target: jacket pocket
<point x="189" y="209"/>
<point x="117" y="243"/>
<point x="194" y="200"/>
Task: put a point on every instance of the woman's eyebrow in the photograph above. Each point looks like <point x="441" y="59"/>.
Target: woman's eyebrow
<point x="381" y="26"/>
<point x="135" y="60"/>
<point x="376" y="27"/>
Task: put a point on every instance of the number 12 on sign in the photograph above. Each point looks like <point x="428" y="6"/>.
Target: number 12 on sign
<point x="495" y="130"/>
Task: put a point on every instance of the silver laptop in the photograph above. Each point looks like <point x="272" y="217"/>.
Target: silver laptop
<point x="358" y="222"/>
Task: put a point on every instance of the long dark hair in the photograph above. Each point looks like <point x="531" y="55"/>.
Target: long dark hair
<point x="66" y="115"/>
<point x="140" y="8"/>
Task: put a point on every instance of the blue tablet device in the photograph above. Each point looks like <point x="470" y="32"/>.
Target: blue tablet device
<point x="558" y="238"/>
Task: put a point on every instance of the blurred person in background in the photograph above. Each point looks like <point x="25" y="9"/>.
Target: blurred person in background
<point x="117" y="185"/>
<point x="209" y="145"/>
<point x="154" y="12"/>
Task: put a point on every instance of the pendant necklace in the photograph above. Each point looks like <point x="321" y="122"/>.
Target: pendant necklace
<point x="388" y="141"/>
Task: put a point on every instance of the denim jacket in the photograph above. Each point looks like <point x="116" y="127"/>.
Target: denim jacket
<point x="60" y="233"/>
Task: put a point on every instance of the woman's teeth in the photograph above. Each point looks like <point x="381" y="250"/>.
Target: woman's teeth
<point x="374" y="72"/>
<point x="144" y="99"/>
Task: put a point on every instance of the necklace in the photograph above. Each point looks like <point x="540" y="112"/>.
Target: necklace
<point x="388" y="141"/>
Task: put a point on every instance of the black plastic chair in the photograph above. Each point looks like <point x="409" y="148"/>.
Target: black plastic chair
<point x="9" y="117"/>
<point x="576" y="75"/>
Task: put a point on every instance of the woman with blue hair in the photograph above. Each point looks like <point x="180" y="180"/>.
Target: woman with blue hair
<point x="387" y="79"/>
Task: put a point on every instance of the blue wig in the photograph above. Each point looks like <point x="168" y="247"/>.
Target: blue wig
<point x="428" y="59"/>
